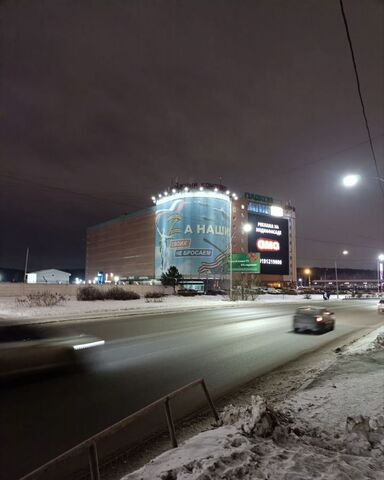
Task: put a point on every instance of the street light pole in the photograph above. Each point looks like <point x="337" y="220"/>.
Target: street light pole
<point x="337" y="280"/>
<point x="380" y="260"/>
<point x="344" y="252"/>
<point x="26" y="264"/>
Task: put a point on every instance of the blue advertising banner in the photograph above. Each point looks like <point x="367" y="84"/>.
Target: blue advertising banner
<point x="193" y="233"/>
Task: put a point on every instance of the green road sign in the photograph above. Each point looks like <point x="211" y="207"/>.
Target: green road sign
<point x="246" y="262"/>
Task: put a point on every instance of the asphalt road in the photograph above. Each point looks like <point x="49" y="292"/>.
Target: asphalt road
<point x="146" y="357"/>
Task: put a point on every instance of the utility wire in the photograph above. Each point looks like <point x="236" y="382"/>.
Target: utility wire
<point x="61" y="189"/>
<point x="345" y="244"/>
<point x="360" y="95"/>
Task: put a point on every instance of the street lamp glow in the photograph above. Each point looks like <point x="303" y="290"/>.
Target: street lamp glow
<point x="350" y="181"/>
<point x="247" y="227"/>
<point x="307" y="271"/>
<point x="345" y="252"/>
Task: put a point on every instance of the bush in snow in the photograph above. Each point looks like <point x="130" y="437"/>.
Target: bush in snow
<point x="89" y="293"/>
<point x="118" y="293"/>
<point x="154" y="295"/>
<point x="42" y="299"/>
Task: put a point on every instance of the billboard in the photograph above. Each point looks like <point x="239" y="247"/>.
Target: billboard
<point x="193" y="232"/>
<point x="245" y="263"/>
<point x="269" y="237"/>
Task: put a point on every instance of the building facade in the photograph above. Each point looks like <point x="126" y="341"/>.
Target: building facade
<point x="50" y="276"/>
<point x="200" y="229"/>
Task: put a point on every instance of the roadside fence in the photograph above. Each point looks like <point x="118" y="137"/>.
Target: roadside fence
<point x="91" y="443"/>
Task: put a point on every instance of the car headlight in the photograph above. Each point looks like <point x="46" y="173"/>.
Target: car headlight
<point x="83" y="346"/>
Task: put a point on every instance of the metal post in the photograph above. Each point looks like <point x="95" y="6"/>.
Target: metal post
<point x="26" y="264"/>
<point x="171" y="426"/>
<point x="230" y="255"/>
<point x="93" y="462"/>
<point x="337" y="280"/>
<point x="213" y="408"/>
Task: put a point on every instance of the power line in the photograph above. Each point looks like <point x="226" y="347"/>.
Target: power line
<point x="61" y="189"/>
<point x="360" y="95"/>
<point x="344" y="244"/>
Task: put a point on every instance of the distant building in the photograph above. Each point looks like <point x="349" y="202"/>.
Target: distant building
<point x="51" y="276"/>
<point x="199" y="228"/>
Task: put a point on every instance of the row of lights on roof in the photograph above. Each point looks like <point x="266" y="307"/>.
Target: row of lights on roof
<point x="187" y="189"/>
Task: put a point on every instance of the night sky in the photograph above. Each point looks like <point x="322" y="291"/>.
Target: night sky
<point x="104" y="102"/>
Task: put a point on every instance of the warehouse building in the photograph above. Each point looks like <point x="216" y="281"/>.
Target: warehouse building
<point x="50" y="276"/>
<point x="209" y="233"/>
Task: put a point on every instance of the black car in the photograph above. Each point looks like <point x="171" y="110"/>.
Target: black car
<point x="314" y="319"/>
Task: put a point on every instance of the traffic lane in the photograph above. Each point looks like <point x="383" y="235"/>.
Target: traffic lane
<point x="133" y="326"/>
<point x="67" y="409"/>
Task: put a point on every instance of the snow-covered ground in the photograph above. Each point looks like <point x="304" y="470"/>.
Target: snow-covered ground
<point x="333" y="429"/>
<point x="10" y="308"/>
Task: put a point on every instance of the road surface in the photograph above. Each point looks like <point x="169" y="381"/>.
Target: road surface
<point x="146" y="357"/>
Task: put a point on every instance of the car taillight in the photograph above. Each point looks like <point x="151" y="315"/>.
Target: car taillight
<point x="319" y="319"/>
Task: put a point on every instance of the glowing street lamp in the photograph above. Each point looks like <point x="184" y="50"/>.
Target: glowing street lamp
<point x="351" y="180"/>
<point x="247" y="227"/>
<point x="344" y="252"/>
<point x="308" y="272"/>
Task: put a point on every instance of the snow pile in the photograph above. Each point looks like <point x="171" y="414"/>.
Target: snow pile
<point x="256" y="419"/>
<point x="260" y="442"/>
<point x="365" y="435"/>
<point x="372" y="342"/>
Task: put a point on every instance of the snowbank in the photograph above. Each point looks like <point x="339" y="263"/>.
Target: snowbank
<point x="257" y="442"/>
<point x="369" y="343"/>
<point x="9" y="307"/>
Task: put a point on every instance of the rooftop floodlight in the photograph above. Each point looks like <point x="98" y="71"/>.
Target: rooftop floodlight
<point x="350" y="181"/>
<point x="277" y="211"/>
<point x="247" y="227"/>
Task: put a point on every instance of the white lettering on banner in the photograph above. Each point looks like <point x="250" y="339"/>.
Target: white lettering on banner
<point x="266" y="245"/>
<point x="271" y="228"/>
<point x="202" y="229"/>
<point x="271" y="261"/>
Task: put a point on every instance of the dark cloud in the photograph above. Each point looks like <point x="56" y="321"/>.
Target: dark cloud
<point x="113" y="99"/>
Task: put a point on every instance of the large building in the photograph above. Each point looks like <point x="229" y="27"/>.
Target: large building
<point x="209" y="233"/>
